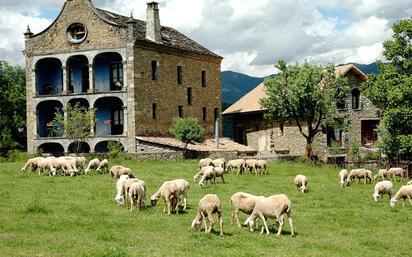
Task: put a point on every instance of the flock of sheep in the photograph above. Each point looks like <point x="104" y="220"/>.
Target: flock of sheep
<point x="174" y="192"/>
<point x="382" y="187"/>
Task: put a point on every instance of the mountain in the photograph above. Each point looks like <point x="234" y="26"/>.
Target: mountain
<point x="368" y="68"/>
<point x="235" y="85"/>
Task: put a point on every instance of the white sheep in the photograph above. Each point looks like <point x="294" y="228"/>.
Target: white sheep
<point x="93" y="165"/>
<point x="137" y="194"/>
<point x="220" y="162"/>
<point x="204" y="162"/>
<point x="219" y="172"/>
<point x="244" y="202"/>
<point x="301" y="183"/>
<point x="382" y="173"/>
<point x="261" y="166"/>
<point x="250" y="165"/>
<point x="199" y="174"/>
<point x="360" y="173"/>
<point x="183" y="187"/>
<point x="103" y="166"/>
<point x="45" y="166"/>
<point x="80" y="162"/>
<point x="274" y="207"/>
<point x="65" y="165"/>
<point x="32" y="164"/>
<point x="169" y="191"/>
<point x="120" y="196"/>
<point x="397" y="172"/>
<point x="127" y="185"/>
<point x="208" y="205"/>
<point x="117" y="170"/>
<point x="404" y="192"/>
<point x="208" y="175"/>
<point x="238" y="164"/>
<point x="343" y="175"/>
<point x="381" y="188"/>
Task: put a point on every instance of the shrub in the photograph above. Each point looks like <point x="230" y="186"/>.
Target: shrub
<point x="187" y="130"/>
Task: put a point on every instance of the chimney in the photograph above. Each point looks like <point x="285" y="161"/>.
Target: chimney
<point x="153" y="22"/>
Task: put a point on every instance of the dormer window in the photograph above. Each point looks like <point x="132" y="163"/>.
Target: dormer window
<point x="76" y="33"/>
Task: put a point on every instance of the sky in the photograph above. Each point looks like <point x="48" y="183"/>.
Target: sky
<point x="251" y="35"/>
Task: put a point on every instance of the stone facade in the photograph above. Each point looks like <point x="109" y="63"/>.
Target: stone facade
<point x="253" y="130"/>
<point x="113" y="43"/>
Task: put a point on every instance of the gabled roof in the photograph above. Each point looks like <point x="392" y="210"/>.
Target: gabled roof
<point x="250" y="102"/>
<point x="170" y="37"/>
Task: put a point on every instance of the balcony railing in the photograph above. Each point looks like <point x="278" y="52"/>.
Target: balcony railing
<point x="51" y="89"/>
<point x="105" y="85"/>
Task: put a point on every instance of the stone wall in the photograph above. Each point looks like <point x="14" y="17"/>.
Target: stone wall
<point x="168" y="94"/>
<point x="100" y="34"/>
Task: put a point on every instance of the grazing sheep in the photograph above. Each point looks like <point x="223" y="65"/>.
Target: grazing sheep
<point x="183" y="187"/>
<point x="207" y="206"/>
<point x="32" y="164"/>
<point x="117" y="170"/>
<point x="397" y="172"/>
<point x="199" y="174"/>
<point x="137" y="194"/>
<point x="381" y="188"/>
<point x="204" y="162"/>
<point x="45" y="166"/>
<point x="274" y="207"/>
<point x="360" y="173"/>
<point x="65" y="165"/>
<point x="80" y="162"/>
<point x="219" y="172"/>
<point x="103" y="166"/>
<point x="120" y="196"/>
<point x="404" y="192"/>
<point x="93" y="165"/>
<point x="343" y="175"/>
<point x="219" y="163"/>
<point x="169" y="191"/>
<point x="382" y="173"/>
<point x="127" y="185"/>
<point x="208" y="175"/>
<point x="261" y="166"/>
<point x="250" y="165"/>
<point x="301" y="183"/>
<point x="238" y="164"/>
<point x="71" y="160"/>
<point x="242" y="202"/>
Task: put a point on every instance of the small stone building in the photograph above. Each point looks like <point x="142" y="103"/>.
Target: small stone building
<point x="250" y="128"/>
<point x="136" y="75"/>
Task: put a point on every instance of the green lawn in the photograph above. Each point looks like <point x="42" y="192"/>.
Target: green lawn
<point x="77" y="216"/>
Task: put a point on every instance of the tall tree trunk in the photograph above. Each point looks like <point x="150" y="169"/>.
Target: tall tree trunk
<point x="308" y="149"/>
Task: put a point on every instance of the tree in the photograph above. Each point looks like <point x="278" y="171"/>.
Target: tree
<point x="306" y="95"/>
<point x="12" y="107"/>
<point x="391" y="91"/>
<point x="76" y="126"/>
<point x="187" y="130"/>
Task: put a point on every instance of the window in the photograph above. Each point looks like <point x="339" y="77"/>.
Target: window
<point x="204" y="113"/>
<point x="76" y="33"/>
<point x="153" y="111"/>
<point x="203" y="78"/>
<point x="355" y="99"/>
<point x="154" y="70"/>
<point x="340" y="104"/>
<point x="334" y="136"/>
<point x="116" y="76"/>
<point x="189" y="96"/>
<point x="179" y="75"/>
<point x="180" y="111"/>
<point x="118" y="117"/>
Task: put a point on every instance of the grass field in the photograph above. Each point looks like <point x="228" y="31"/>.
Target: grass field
<point x="77" y="216"/>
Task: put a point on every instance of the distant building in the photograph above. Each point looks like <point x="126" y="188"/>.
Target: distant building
<point x="252" y="129"/>
<point x="137" y="76"/>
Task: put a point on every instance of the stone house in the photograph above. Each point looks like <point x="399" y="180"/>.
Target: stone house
<point x="136" y="75"/>
<point x="252" y="129"/>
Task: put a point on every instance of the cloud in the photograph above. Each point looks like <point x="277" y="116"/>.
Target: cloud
<point x="251" y="35"/>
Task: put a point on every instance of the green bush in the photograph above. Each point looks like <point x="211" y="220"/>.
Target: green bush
<point x="187" y="130"/>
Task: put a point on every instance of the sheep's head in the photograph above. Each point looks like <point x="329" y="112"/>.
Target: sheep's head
<point x="375" y="197"/>
<point x="119" y="199"/>
<point x="153" y="200"/>
<point x="393" y="202"/>
<point x="303" y="189"/>
<point x="196" y="222"/>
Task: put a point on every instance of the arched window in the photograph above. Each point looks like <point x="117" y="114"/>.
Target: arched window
<point x="355" y="99"/>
